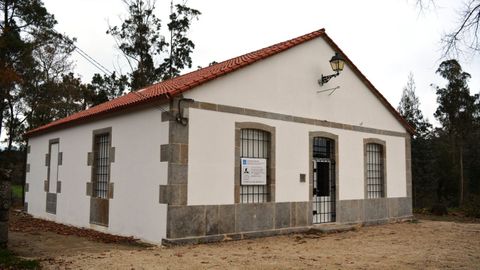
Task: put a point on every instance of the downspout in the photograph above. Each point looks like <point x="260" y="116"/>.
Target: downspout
<point x="180" y="118"/>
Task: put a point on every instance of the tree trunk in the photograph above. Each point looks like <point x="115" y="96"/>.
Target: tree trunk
<point x="461" y="177"/>
<point x="5" y="194"/>
<point x="11" y="125"/>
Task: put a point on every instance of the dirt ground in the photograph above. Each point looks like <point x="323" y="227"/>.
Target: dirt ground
<point x="426" y="244"/>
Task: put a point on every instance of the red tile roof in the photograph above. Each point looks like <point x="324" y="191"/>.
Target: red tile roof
<point x="178" y="85"/>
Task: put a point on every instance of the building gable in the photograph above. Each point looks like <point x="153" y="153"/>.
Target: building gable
<point x="287" y="83"/>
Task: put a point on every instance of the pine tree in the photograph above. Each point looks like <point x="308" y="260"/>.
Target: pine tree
<point x="422" y="176"/>
<point x="409" y="108"/>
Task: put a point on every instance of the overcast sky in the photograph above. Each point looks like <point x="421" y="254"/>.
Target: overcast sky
<point x="385" y="39"/>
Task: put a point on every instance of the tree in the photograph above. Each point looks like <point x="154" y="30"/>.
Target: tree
<point x="107" y="87"/>
<point x="180" y="45"/>
<point x="48" y="89"/>
<point x="409" y="108"/>
<point x="23" y="26"/>
<point x="423" y="180"/>
<point x="465" y="36"/>
<point x="456" y="112"/>
<point x="139" y="39"/>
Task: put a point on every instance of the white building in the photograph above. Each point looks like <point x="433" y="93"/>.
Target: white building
<point x="251" y="146"/>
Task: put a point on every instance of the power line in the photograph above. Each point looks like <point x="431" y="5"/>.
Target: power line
<point x="86" y="56"/>
<point x="92" y="60"/>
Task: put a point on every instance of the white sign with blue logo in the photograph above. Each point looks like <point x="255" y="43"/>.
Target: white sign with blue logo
<point x="254" y="171"/>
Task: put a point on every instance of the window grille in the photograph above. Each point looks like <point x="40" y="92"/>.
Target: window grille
<point x="375" y="171"/>
<point x="255" y="143"/>
<point x="101" y="163"/>
<point x="323" y="148"/>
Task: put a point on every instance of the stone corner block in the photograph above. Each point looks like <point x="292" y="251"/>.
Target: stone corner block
<point x="89" y="158"/>
<point x="163" y="194"/>
<point x="165" y="152"/>
<point x="112" y="154"/>
<point x="89" y="189"/>
<point x="110" y="190"/>
<point x="59" y="186"/>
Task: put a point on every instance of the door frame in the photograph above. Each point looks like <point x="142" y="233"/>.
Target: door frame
<point x="51" y="196"/>
<point x="334" y="137"/>
<point x="100" y="207"/>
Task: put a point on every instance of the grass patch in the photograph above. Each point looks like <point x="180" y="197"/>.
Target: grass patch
<point x="17" y="191"/>
<point x="8" y="260"/>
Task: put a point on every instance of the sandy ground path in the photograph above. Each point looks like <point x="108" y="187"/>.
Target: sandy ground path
<point x="423" y="245"/>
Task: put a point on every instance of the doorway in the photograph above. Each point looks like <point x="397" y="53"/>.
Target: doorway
<point x="324" y="188"/>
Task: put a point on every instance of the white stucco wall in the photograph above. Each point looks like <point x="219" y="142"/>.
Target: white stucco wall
<point x="287" y="83"/>
<point x="136" y="173"/>
<point x="211" y="159"/>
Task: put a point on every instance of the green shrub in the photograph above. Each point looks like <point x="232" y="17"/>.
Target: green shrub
<point x="17" y="191"/>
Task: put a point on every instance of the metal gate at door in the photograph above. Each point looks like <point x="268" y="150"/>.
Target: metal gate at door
<point x="324" y="188"/>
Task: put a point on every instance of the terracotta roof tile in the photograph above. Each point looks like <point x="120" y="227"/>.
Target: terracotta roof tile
<point x="175" y="86"/>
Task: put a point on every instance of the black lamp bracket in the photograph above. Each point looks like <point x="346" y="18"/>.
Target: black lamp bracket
<point x="324" y="79"/>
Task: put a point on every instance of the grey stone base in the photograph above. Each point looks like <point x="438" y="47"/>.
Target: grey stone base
<point x="231" y="236"/>
<point x="216" y="222"/>
<point x="327" y="229"/>
<point x="205" y="220"/>
<point x="355" y="211"/>
<point x="51" y="205"/>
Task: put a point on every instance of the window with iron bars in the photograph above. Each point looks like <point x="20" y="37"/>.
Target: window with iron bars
<point x="375" y="171"/>
<point x="101" y="165"/>
<point x="255" y="143"/>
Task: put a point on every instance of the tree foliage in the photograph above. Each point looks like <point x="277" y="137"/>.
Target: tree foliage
<point x="106" y="87"/>
<point x="456" y="112"/>
<point x="24" y="25"/>
<point x="445" y="160"/>
<point x="37" y="82"/>
<point x="180" y="46"/>
<point x="150" y="57"/>
<point x="409" y="108"/>
<point x="422" y="152"/>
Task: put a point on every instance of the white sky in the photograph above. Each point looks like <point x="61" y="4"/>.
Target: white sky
<point x="385" y="39"/>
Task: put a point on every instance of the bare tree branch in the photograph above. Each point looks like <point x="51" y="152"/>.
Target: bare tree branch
<point x="464" y="38"/>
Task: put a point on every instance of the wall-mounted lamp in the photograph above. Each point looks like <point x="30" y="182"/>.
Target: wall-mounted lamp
<point x="337" y="63"/>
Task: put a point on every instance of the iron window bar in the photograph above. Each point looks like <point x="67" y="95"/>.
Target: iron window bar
<point x="255" y="143"/>
<point x="101" y="165"/>
<point x="375" y="171"/>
